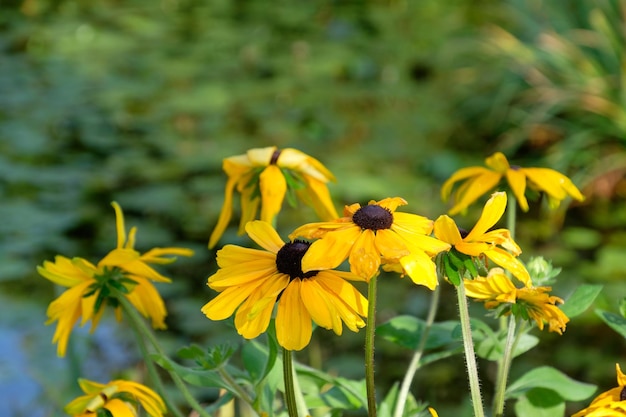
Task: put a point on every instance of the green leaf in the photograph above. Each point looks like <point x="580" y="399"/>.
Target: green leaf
<point x="580" y="300"/>
<point x="451" y="272"/>
<point x="255" y="358"/>
<point x="614" y="321"/>
<point x="552" y="379"/>
<point x="540" y="402"/>
<point x="407" y="331"/>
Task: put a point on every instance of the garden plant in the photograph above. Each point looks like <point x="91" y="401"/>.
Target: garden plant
<point x="282" y="286"/>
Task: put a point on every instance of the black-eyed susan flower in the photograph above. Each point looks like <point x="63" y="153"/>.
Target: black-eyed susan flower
<point x="497" y="245"/>
<point x="478" y="181"/>
<point x="264" y="176"/>
<point x="90" y="287"/>
<point x="252" y="281"/>
<point x="371" y="235"/>
<point x="118" y="398"/>
<point x="530" y="303"/>
<point x="611" y="403"/>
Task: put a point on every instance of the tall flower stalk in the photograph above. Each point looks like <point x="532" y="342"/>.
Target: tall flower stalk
<point x="370" y="335"/>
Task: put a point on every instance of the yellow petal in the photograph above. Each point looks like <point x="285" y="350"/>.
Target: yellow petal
<point x="255" y="313"/>
<point x="149" y="303"/>
<point x="226" y="302"/>
<point x="350" y="303"/>
<point x="498" y="162"/>
<point x="421" y="269"/>
<point x="293" y="321"/>
<point x="249" y="208"/>
<point x="492" y="212"/>
<point x="391" y="203"/>
<point x="305" y="164"/>
<point x="621" y="378"/>
<point x="273" y="189"/>
<point x="460" y="175"/>
<point x="517" y="183"/>
<point x="553" y="183"/>
<point x="316" y="195"/>
<point x="261" y="156"/>
<point x="390" y="244"/>
<point x="413" y="224"/>
<point x="510" y="263"/>
<point x="446" y="230"/>
<point x="264" y="235"/>
<point x="321" y="309"/>
<point x="433" y="413"/>
<point x="474" y="188"/>
<point x="225" y="214"/>
<point x="364" y="257"/>
<point x="119" y="225"/>
<point x="331" y="250"/>
<point x="119" y="408"/>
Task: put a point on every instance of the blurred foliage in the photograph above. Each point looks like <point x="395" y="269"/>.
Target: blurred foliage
<point x="138" y="102"/>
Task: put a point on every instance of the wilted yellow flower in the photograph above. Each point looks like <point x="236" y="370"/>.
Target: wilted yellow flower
<point x="90" y="287"/>
<point x="497" y="245"/>
<point x="478" y="181"/>
<point x="373" y="234"/>
<point x="264" y="176"/>
<point x="611" y="403"/>
<point x="252" y="281"/>
<point x="120" y="398"/>
<point x="529" y="303"/>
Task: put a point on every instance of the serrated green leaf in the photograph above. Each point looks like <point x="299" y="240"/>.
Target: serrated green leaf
<point x="580" y="300"/>
<point x="614" y="321"/>
<point x="552" y="379"/>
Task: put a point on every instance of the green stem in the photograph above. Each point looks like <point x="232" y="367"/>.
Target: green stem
<point x="290" y="396"/>
<point x="511" y="213"/>
<point x="470" y="356"/>
<point x="504" y="365"/>
<point x="143" y="332"/>
<point x="370" y="332"/>
<point x="235" y="386"/>
<point x="417" y="356"/>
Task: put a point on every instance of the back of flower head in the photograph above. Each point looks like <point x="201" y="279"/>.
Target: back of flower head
<point x="264" y="177"/>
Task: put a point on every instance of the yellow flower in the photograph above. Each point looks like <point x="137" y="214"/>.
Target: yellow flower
<point x="530" y="303"/>
<point x="120" y="398"/>
<point x="611" y="403"/>
<point x="478" y="181"/>
<point x="497" y="245"/>
<point x="373" y="234"/>
<point x="91" y="287"/>
<point x="264" y="176"/>
<point x="251" y="281"/>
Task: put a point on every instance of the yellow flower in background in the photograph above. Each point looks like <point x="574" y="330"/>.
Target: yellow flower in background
<point x="433" y="412"/>
<point x="371" y="235"/>
<point x="120" y="398"/>
<point x="478" y="181"/>
<point x="91" y="287"/>
<point x="497" y="245"/>
<point x="264" y="176"/>
<point x="529" y="303"/>
<point x="611" y="403"/>
<point x="252" y="281"/>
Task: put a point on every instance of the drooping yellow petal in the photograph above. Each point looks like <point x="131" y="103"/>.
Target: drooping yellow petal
<point x="509" y="262"/>
<point x="351" y="305"/>
<point x="621" y="377"/>
<point x="255" y="313"/>
<point x="553" y="183"/>
<point x="293" y="321"/>
<point x="316" y="195"/>
<point x="492" y="212"/>
<point x="264" y="235"/>
<point x="273" y="189"/>
<point x="119" y="408"/>
<point x="446" y="230"/>
<point x="330" y="251"/>
<point x="473" y="189"/>
<point x="148" y="302"/>
<point x="301" y="162"/>
<point x="250" y="203"/>
<point x="517" y="182"/>
<point x="461" y="174"/>
<point x="64" y="271"/>
<point x="261" y="156"/>
<point x="225" y="213"/>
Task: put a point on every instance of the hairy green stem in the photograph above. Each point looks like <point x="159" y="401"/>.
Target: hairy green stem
<point x="417" y="356"/>
<point x="504" y="365"/>
<point x="235" y="386"/>
<point x="143" y="332"/>
<point x="511" y="213"/>
<point x="370" y="332"/>
<point x="470" y="356"/>
<point x="290" y="396"/>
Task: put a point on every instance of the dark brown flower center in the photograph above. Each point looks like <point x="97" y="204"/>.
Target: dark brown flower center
<point x="274" y="158"/>
<point x="373" y="217"/>
<point x="622" y="394"/>
<point x="463" y="233"/>
<point x="289" y="259"/>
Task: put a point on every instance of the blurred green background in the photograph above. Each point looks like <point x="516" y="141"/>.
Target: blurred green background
<point x="139" y="101"/>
